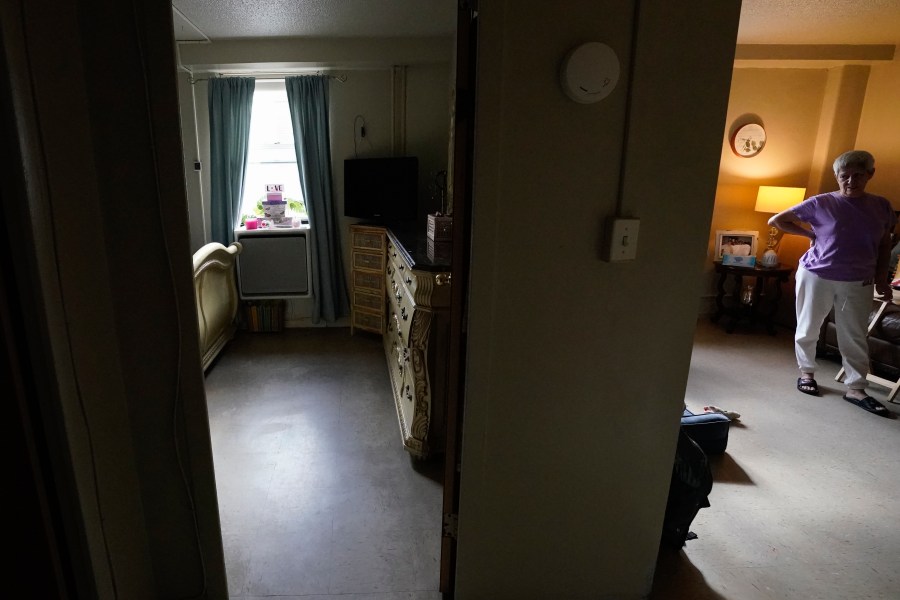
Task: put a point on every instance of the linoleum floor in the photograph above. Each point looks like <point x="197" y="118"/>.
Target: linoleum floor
<point x="317" y="498"/>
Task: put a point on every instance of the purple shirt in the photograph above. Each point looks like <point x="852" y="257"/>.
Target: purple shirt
<point x="848" y="234"/>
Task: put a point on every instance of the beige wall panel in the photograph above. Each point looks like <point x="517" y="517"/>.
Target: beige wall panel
<point x="560" y="496"/>
<point x="879" y="129"/>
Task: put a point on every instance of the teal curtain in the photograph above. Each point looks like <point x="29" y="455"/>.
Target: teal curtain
<point x="230" y="101"/>
<point x="308" y="102"/>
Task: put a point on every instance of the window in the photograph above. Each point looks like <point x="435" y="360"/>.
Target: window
<point x="271" y="157"/>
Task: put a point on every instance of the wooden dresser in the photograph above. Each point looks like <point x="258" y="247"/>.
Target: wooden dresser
<point x="416" y="339"/>
<point x="367" y="263"/>
<point x="402" y="294"/>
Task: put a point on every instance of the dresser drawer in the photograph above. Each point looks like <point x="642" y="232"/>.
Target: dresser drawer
<point x="367" y="300"/>
<point x="399" y="323"/>
<point x="397" y="355"/>
<point x="371" y="238"/>
<point x="372" y="281"/>
<point x="369" y="321"/>
<point x="368" y="260"/>
<point x="395" y="256"/>
<point x="400" y="278"/>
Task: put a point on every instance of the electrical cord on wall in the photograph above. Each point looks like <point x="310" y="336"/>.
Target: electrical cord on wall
<point x="626" y="128"/>
<point x="178" y="316"/>
<point x="71" y="351"/>
<point x="361" y="130"/>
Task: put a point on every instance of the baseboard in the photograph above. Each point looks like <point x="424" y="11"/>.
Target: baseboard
<point x="307" y="322"/>
<point x="707" y="306"/>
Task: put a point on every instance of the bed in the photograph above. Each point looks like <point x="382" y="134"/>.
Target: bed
<point x="216" y="294"/>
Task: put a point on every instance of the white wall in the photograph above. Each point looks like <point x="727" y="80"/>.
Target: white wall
<point x="367" y="92"/>
<point x="577" y="367"/>
<point x="198" y="212"/>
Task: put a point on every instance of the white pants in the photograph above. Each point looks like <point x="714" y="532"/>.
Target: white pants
<point x="852" y="303"/>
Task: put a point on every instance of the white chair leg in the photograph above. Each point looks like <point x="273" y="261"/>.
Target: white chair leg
<point x="872" y="323"/>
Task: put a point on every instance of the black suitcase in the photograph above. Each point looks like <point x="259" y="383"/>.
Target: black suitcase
<point x="688" y="491"/>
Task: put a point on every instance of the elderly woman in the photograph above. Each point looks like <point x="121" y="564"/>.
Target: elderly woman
<point x="850" y="248"/>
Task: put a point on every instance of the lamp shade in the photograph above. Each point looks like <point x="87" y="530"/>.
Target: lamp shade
<point x="774" y="199"/>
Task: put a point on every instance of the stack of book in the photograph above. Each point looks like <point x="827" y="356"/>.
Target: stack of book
<point x="263" y="315"/>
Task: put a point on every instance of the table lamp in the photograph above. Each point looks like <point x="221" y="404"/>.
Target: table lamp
<point x="774" y="199"/>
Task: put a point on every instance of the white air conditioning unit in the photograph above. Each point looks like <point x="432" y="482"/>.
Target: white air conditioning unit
<point x="274" y="263"/>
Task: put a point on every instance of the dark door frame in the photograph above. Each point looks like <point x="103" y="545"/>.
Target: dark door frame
<point x="463" y="151"/>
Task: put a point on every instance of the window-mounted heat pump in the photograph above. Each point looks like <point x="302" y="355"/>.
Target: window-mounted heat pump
<point x="274" y="263"/>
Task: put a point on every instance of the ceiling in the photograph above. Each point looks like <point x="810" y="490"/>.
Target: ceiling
<point x="231" y="19"/>
<point x="762" y="21"/>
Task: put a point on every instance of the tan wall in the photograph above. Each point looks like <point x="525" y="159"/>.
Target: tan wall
<point x="879" y="129"/>
<point x="810" y="115"/>
<point x="577" y="367"/>
<point x="787" y="102"/>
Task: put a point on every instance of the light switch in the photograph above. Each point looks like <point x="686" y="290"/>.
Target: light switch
<point x="623" y="239"/>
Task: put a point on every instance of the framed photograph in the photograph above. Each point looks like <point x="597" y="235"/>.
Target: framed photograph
<point x="737" y="243"/>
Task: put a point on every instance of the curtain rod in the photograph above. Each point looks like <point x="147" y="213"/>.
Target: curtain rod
<point x="266" y="75"/>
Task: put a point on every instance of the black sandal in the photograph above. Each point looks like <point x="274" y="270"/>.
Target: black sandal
<point x="808" y="385"/>
<point x="870" y="404"/>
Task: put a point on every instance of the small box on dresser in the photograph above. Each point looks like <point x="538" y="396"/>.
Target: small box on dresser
<point x="440" y="228"/>
<point x="438" y="251"/>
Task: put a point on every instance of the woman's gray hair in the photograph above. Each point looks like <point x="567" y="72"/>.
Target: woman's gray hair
<point x="854" y="158"/>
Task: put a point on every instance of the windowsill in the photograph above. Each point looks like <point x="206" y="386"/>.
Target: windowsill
<point x="271" y="229"/>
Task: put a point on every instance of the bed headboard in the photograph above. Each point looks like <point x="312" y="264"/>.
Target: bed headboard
<point x="216" y="294"/>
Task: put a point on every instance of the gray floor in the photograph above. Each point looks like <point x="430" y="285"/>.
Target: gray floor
<point x="806" y="501"/>
<point x="318" y="499"/>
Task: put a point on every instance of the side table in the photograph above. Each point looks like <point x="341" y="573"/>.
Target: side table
<point x="761" y="301"/>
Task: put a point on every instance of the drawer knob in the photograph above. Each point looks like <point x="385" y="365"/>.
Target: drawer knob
<point x="442" y="279"/>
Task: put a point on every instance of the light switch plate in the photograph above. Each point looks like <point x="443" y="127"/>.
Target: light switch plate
<point x="623" y="239"/>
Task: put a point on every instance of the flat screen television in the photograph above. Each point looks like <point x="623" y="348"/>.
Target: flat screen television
<point x="384" y="189"/>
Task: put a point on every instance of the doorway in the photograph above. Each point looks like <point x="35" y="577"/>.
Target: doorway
<point x="275" y="430"/>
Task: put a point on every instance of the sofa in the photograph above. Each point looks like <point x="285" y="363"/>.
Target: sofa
<point x="884" y="341"/>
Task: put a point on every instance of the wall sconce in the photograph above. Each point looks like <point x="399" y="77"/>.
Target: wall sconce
<point x="773" y="199"/>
